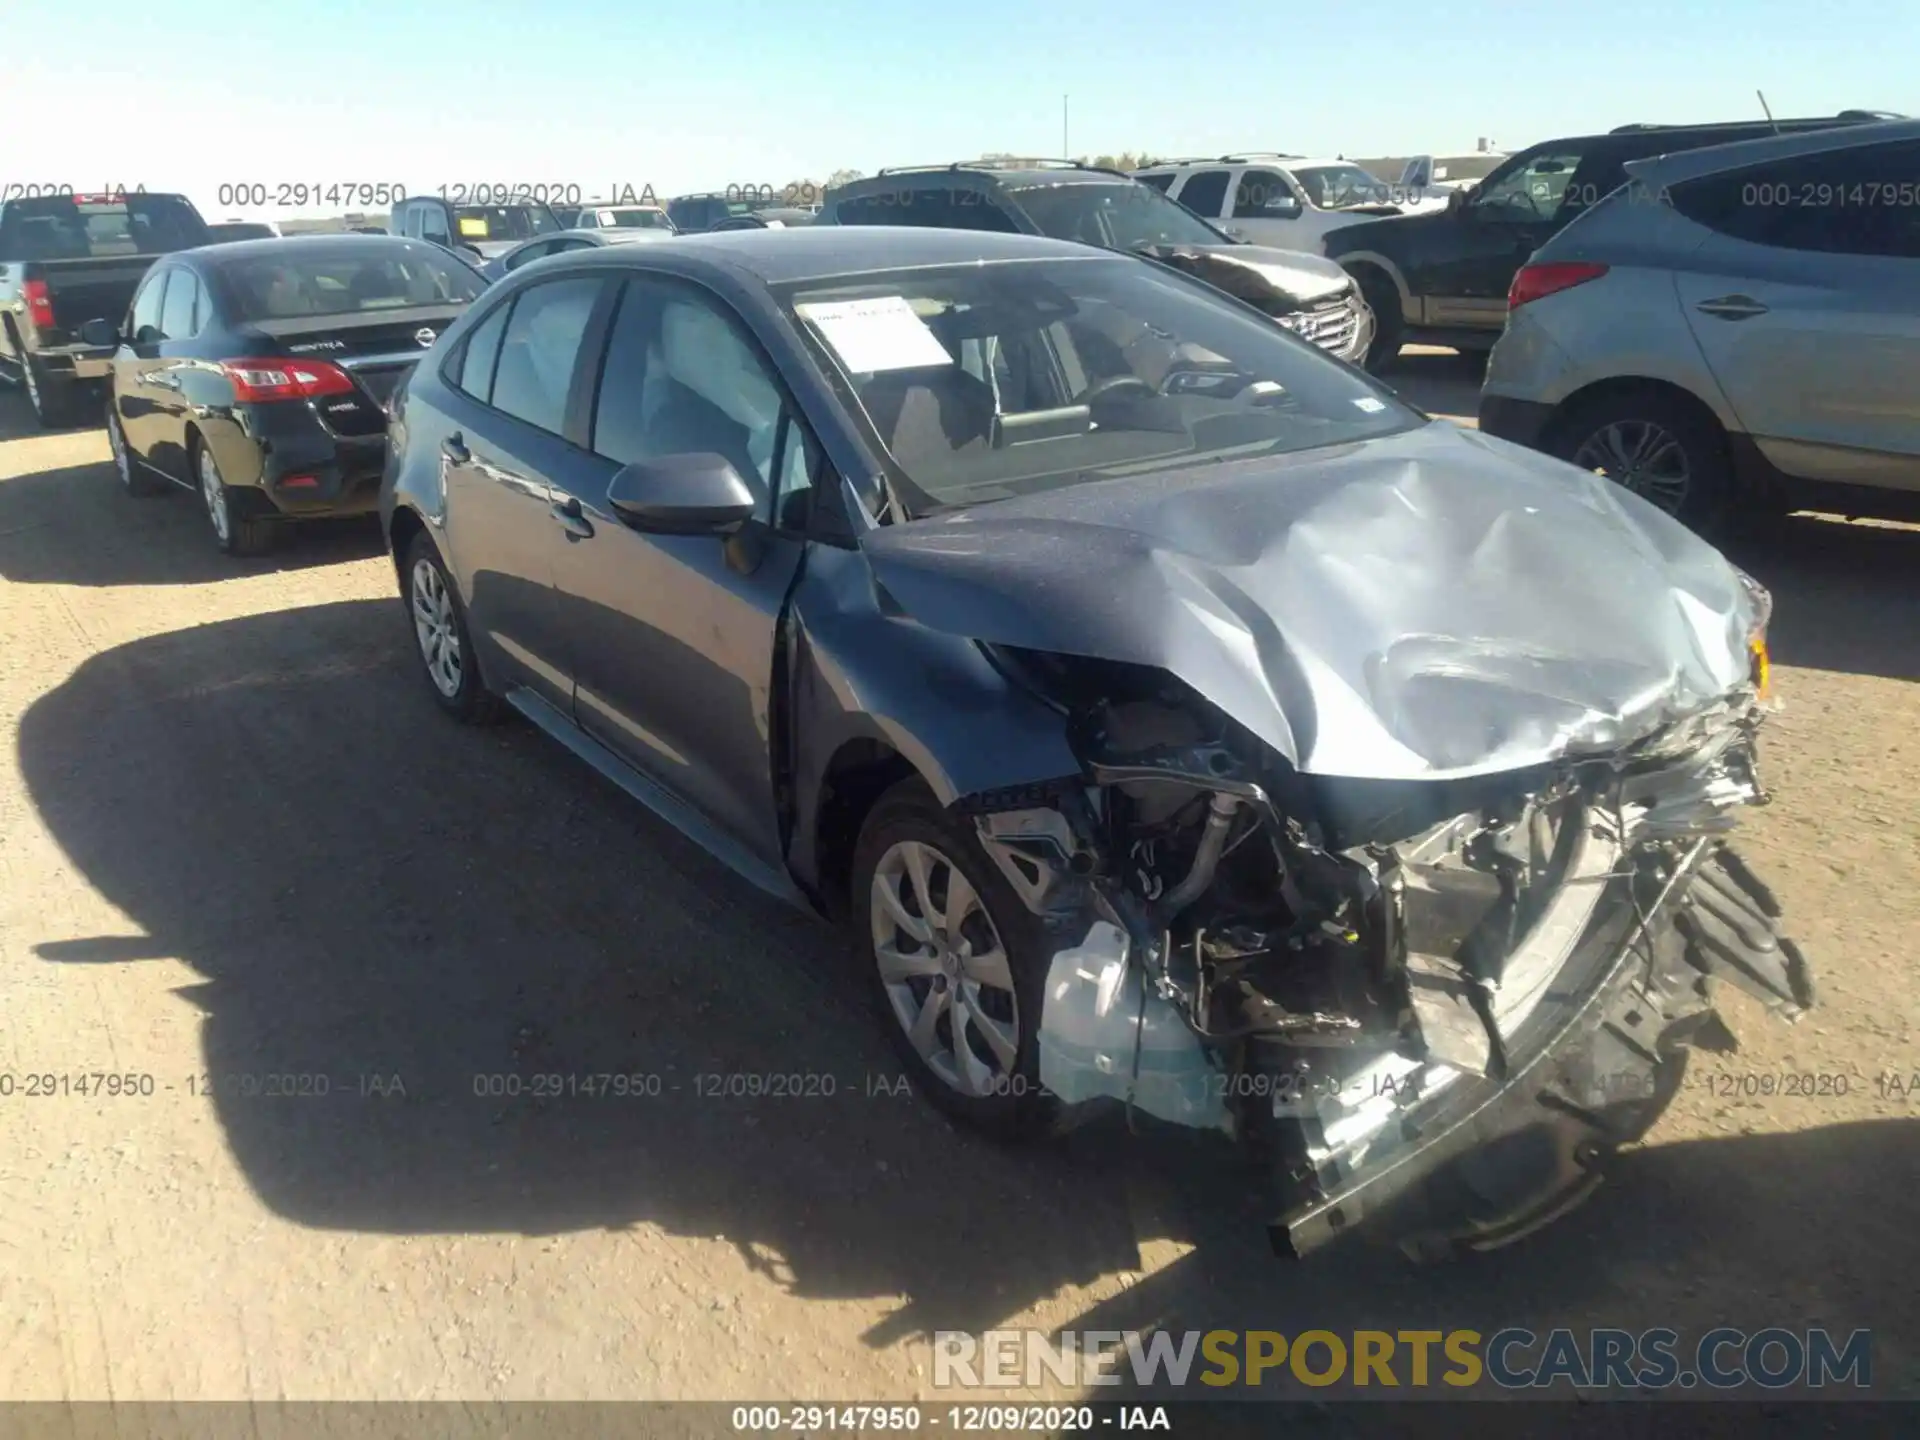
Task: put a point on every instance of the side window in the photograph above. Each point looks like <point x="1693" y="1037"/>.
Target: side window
<point x="176" y="318"/>
<point x="946" y="207"/>
<point x="1530" y="192"/>
<point x="1264" y="193"/>
<point x="1598" y="177"/>
<point x="538" y="351"/>
<point x="1859" y="201"/>
<point x="1205" y="193"/>
<point x="530" y="253"/>
<point x="143" y="321"/>
<point x="407" y="222"/>
<point x="682" y="376"/>
<point x="474" y="372"/>
<point x="433" y="225"/>
<point x="1159" y="182"/>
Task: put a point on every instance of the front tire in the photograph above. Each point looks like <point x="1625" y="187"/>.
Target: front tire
<point x="956" y="963"/>
<point x="135" y="478"/>
<point x="441" y="638"/>
<point x="1388" y="321"/>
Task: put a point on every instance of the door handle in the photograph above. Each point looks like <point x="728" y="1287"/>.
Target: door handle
<point x="454" y="447"/>
<point x="1732" y="307"/>
<point x="572" y="518"/>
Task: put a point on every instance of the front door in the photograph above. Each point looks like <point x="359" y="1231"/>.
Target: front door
<point x="135" y="401"/>
<point x="1474" y="250"/>
<point x="673" y="636"/>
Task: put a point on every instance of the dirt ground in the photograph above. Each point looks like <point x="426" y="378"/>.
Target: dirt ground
<point x="237" y="840"/>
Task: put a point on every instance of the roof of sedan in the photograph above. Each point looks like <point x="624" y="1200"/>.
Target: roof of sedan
<point x="812" y="251"/>
<point x="282" y="247"/>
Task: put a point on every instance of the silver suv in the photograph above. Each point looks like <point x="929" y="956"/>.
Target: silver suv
<point x="1737" y="327"/>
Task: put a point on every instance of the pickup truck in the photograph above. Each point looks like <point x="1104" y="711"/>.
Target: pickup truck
<point x="476" y="232"/>
<point x="68" y="259"/>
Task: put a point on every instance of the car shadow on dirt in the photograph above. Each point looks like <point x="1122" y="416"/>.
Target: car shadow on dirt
<point x="78" y="526"/>
<point x="423" y="920"/>
<point x="1845" y="594"/>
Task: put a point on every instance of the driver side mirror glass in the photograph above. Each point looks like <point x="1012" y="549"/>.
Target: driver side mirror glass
<point x="99" y="332"/>
<point x="1458" y="202"/>
<point x="697" y="494"/>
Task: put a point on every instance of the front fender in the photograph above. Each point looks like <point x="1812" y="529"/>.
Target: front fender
<point x="860" y="674"/>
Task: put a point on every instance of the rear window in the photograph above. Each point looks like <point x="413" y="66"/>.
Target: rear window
<point x="67" y="227"/>
<point x="503" y="222"/>
<point x="286" y="287"/>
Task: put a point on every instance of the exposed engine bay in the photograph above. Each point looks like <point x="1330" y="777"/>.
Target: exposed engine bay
<point x="1443" y="1000"/>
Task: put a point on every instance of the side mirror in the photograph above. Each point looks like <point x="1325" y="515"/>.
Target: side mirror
<point x="1457" y="202"/>
<point x="469" y="254"/>
<point x="99" y="332"/>
<point x="698" y="494"/>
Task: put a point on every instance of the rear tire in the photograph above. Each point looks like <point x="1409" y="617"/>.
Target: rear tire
<point x="1660" y="447"/>
<point x="959" y="943"/>
<point x="235" y="532"/>
<point x="441" y="637"/>
<point x="50" y="399"/>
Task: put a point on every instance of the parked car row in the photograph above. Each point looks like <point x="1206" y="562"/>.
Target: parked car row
<point x="1015" y="568"/>
<point x="1736" y="328"/>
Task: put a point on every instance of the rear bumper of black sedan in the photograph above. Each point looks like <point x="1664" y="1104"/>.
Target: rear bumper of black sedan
<point x="302" y="469"/>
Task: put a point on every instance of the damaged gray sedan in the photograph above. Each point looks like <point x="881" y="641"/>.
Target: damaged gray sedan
<point x="1180" y="722"/>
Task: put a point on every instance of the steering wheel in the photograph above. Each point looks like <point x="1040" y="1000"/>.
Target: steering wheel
<point x="1100" y="389"/>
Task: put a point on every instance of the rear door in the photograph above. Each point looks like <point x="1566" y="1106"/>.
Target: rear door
<point x="1805" y="298"/>
<point x="512" y="390"/>
<point x="674" y="635"/>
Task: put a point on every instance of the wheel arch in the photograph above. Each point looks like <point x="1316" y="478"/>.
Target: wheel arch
<point x="1614" y="386"/>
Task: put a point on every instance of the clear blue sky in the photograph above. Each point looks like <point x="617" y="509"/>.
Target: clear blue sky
<point x="188" y="94"/>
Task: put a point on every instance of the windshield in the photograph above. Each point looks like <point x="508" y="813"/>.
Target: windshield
<point x="286" y="287"/>
<point x="1332" y="187"/>
<point x="67" y="227"/>
<point x="1123" y="215"/>
<point x="984" y="382"/>
<point x="637" y="218"/>
<point x="503" y="222"/>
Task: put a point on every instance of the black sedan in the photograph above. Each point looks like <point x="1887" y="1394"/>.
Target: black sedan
<point x="1178" y="720"/>
<point x="257" y="372"/>
<point x="541" y="246"/>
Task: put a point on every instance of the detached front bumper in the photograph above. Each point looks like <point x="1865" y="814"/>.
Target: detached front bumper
<point x="1479" y="1162"/>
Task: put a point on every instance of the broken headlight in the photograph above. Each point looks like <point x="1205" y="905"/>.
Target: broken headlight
<point x="1760" y="661"/>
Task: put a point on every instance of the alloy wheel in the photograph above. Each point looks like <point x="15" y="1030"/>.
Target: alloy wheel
<point x="945" y="968"/>
<point x="435" y="627"/>
<point x="1645" y="457"/>
<point x="214" y="491"/>
<point x="122" y="463"/>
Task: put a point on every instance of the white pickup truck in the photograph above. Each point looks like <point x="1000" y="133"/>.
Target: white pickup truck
<point x="1290" y="201"/>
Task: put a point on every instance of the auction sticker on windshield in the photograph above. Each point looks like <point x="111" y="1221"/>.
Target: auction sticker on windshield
<point x="473" y="227"/>
<point x="878" y="334"/>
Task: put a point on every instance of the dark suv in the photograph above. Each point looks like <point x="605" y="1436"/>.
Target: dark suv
<point x="1442" y="278"/>
<point x="1066" y="200"/>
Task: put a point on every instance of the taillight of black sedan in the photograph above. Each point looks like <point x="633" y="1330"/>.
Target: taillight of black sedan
<point x="257" y="374"/>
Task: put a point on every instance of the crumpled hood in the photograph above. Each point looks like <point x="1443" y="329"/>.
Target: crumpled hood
<point x="1272" y="279"/>
<point x="1428" y="605"/>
